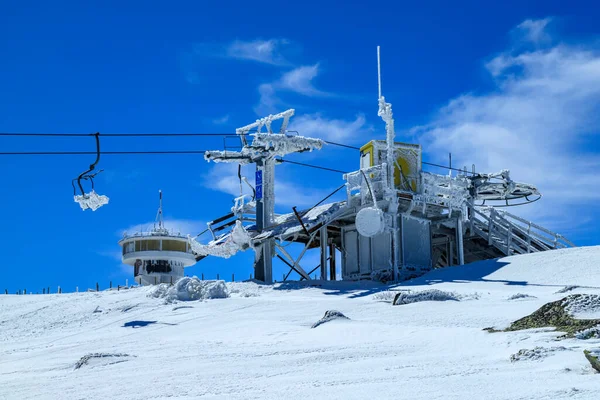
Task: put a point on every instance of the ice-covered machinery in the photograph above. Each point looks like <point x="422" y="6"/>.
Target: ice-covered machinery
<point x="397" y="221"/>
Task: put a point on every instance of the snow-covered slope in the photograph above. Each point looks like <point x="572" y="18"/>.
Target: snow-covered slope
<point x="258" y="343"/>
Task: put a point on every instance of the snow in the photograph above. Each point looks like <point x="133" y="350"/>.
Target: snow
<point x="258" y="342"/>
<point x="266" y="145"/>
<point x="91" y="200"/>
<point x="281" y="144"/>
<point x="586" y="306"/>
<point x="189" y="289"/>
<point x="237" y="240"/>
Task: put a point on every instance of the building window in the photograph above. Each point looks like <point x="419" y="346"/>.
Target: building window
<point x="157" y="266"/>
<point x="173" y="245"/>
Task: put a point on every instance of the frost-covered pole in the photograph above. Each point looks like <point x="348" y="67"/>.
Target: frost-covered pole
<point x="385" y="112"/>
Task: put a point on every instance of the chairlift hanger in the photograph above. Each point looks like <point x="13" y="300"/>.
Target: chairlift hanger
<point x="89" y="200"/>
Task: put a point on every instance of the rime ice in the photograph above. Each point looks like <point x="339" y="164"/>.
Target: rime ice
<point x="91" y="200"/>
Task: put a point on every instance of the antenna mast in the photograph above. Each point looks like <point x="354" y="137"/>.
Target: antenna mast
<point x="379" y="70"/>
<point x="159" y="214"/>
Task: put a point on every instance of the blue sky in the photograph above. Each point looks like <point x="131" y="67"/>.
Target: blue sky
<point x="506" y="85"/>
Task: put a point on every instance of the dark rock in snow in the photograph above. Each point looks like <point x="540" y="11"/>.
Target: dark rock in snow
<point x="425" y="295"/>
<point x="86" y="359"/>
<point x="557" y="314"/>
<point x="593" y="357"/>
<point x="330" y="315"/>
<point x="567" y="289"/>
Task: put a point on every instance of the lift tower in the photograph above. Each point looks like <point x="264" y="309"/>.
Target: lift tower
<point x="262" y="152"/>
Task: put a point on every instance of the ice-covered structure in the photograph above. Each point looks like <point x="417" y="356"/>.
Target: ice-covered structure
<point x="159" y="255"/>
<point x="397" y="221"/>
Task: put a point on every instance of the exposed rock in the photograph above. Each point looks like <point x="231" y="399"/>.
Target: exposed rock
<point x="519" y="296"/>
<point x="385" y="295"/>
<point x="535" y="354"/>
<point x="593" y="357"/>
<point x="109" y="357"/>
<point x="567" y="289"/>
<point x="592" y="333"/>
<point x="555" y="314"/>
<point x="425" y="295"/>
<point x="330" y="315"/>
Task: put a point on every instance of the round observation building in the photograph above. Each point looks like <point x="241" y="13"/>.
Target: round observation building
<point x="157" y="256"/>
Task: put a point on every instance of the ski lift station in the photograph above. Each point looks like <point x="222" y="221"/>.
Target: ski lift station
<point x="397" y="221"/>
<point x="157" y="256"/>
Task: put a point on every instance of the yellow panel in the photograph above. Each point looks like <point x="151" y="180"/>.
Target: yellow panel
<point x="409" y="170"/>
<point x="367" y="149"/>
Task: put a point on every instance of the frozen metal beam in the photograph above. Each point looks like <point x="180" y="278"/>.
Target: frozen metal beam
<point x="459" y="241"/>
<point x="323" y="242"/>
<point x="297" y="266"/>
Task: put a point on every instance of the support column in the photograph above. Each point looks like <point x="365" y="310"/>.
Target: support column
<point x="397" y="245"/>
<point x="323" y="242"/>
<point x="263" y="260"/>
<point x="459" y="241"/>
<point x="332" y="273"/>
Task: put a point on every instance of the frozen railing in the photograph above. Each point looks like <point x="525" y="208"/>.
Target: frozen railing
<point x="444" y="190"/>
<point x="370" y="182"/>
<point x="514" y="235"/>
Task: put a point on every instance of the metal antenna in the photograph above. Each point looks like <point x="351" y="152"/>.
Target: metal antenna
<point x="379" y="70"/>
<point x="159" y="214"/>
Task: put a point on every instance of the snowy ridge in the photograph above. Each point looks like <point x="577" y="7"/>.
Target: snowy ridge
<point x="258" y="342"/>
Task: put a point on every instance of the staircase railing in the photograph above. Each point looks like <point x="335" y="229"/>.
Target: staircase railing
<point x="512" y="234"/>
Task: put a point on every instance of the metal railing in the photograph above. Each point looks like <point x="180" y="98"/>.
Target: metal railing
<point x="512" y="234"/>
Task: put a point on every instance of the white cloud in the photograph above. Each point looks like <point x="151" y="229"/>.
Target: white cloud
<point x="263" y="51"/>
<point x="538" y="122"/>
<point x="298" y="80"/>
<point x="222" y="120"/>
<point x="269" y="102"/>
<point x="315" y="125"/>
<point x="533" y="31"/>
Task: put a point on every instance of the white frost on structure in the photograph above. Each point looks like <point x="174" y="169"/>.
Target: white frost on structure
<point x="91" y="200"/>
<point x="281" y="145"/>
<point x="506" y="189"/>
<point x="266" y="145"/>
<point x="237" y="240"/>
<point x="370" y="222"/>
<point x="443" y="190"/>
<point x="225" y="156"/>
<point x="377" y="182"/>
